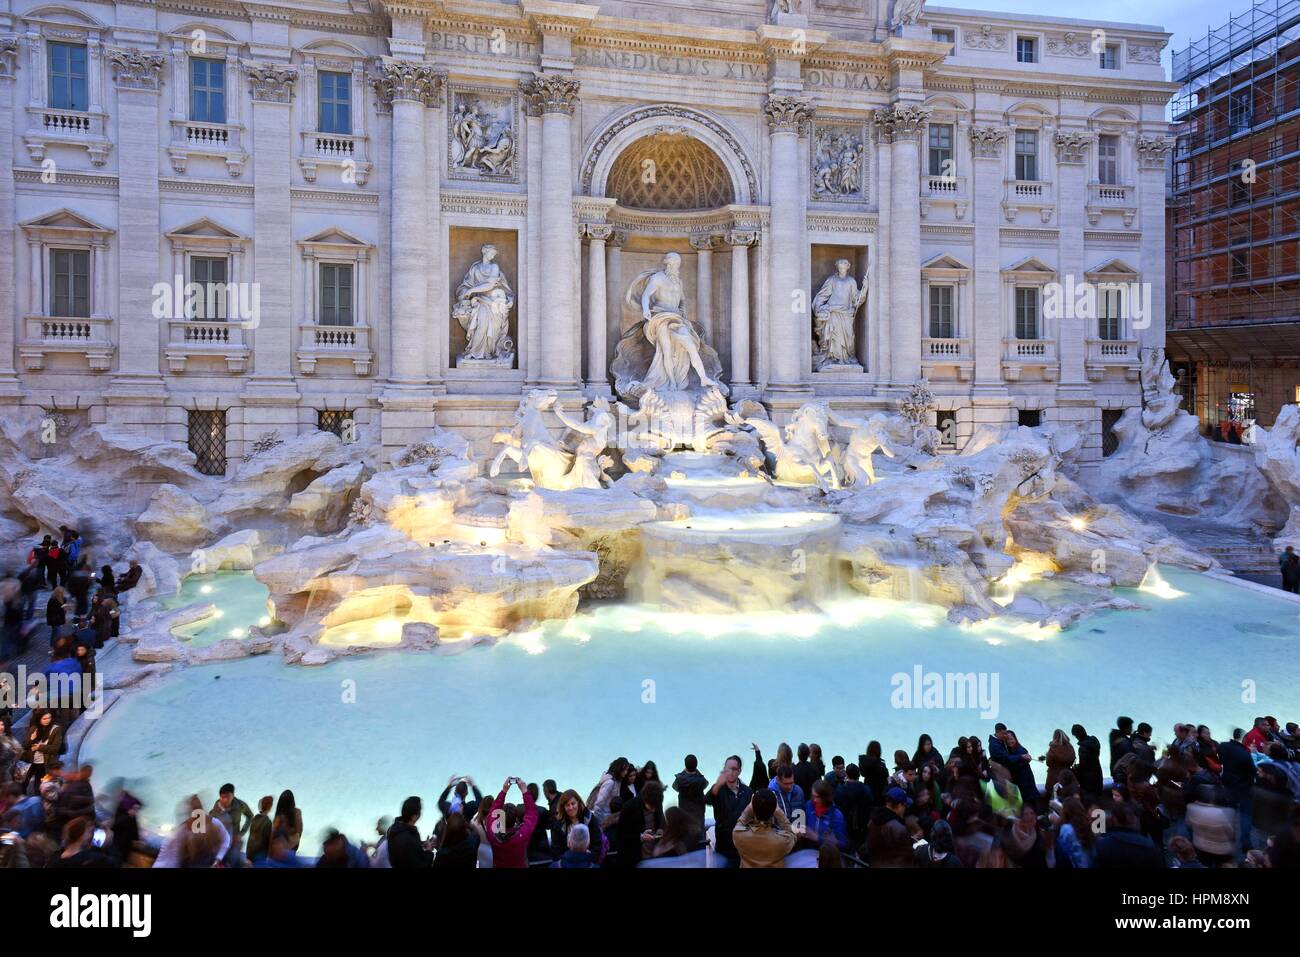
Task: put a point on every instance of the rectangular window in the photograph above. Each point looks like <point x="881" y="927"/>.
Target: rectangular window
<point x="943" y="36"/>
<point x="68" y="77"/>
<point x="335" y="294"/>
<point x="335" y="104"/>
<point x="1109" y="303"/>
<point x="334" y="420"/>
<point x="1032" y="418"/>
<point x="1027" y="154"/>
<point x="211" y="275"/>
<point x="1238" y="187"/>
<point x="1239" y="112"/>
<point x="1110" y="57"/>
<point x="1108" y="159"/>
<point x="1026" y="312"/>
<point x="945" y="420"/>
<point x="941" y="163"/>
<point x="1109" y="440"/>
<point x="1026" y="50"/>
<point x="1239" y="264"/>
<point x="207" y="90"/>
<point x="70" y="282"/>
<point x="941" y="324"/>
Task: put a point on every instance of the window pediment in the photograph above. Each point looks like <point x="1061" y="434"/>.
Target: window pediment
<point x="944" y="266"/>
<point x="63" y="225"/>
<point x="1112" y="270"/>
<point x="1031" y="268"/>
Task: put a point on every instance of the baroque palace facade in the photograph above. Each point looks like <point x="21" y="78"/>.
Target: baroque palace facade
<point x="340" y="167"/>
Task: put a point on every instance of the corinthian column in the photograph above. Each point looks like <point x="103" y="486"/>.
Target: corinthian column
<point x="553" y="95"/>
<point x="740" y="241"/>
<point x="900" y="126"/>
<point x="984" y="327"/>
<point x="597" y="308"/>
<point x="789" y="329"/>
<point x="138" y="77"/>
<point x="408" y="88"/>
<point x="9" y="318"/>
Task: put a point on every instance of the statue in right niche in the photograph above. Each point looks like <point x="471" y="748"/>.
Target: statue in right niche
<point x="834" y="308"/>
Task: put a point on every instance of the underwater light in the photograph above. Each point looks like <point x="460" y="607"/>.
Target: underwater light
<point x="205" y="590"/>
<point x="1078" y="524"/>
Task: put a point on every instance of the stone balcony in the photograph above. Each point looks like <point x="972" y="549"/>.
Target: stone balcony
<point x="947" y="358"/>
<point x="1105" y="197"/>
<point x="47" y="126"/>
<point x="1028" y="195"/>
<point x="945" y="191"/>
<point x="1032" y="357"/>
<point x="325" y="343"/>
<point x="192" y="339"/>
<point x="1105" y="355"/>
<point x="53" y="335"/>
<point x="221" y="140"/>
<point x="335" y="149"/>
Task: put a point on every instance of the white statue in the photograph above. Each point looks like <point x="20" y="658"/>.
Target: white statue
<point x="866" y="437"/>
<point x="530" y="445"/>
<point x="782" y="6"/>
<point x="803" y="452"/>
<point x="834" y="307"/>
<point x="589" y="459"/>
<point x="906" y="13"/>
<point x="483" y="303"/>
<point x="1159" y="401"/>
<point x="663" y="349"/>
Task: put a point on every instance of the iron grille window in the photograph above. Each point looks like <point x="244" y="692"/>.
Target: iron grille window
<point x="941" y="149"/>
<point x="207" y="90"/>
<point x="208" y="440"/>
<point x="332" y="420"/>
<point x="1108" y="159"/>
<point x="1026" y="312"/>
<point x="1027" y="154"/>
<point x="941" y="325"/>
<point x="210" y="274"/>
<point x="1109" y="440"/>
<point x="335" y="294"/>
<point x="945" y="420"/>
<point x="335" y="113"/>
<point x="68" y="77"/>
<point x="70" y="282"/>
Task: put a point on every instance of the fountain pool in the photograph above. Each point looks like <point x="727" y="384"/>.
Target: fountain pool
<point x="240" y="599"/>
<point x="353" y="738"/>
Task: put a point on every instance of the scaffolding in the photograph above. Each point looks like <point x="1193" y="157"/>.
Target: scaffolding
<point x="1235" y="195"/>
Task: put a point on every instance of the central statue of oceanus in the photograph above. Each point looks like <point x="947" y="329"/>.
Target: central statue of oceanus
<point x="664" y="351"/>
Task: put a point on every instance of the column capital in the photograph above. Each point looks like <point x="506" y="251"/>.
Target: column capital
<point x="136" y="70"/>
<point x="741" y="237"/>
<point x="986" y="141"/>
<point x="597" y="232"/>
<point x="8" y="57"/>
<point x="1072" y="145"/>
<point x="1153" y="151"/>
<point x="703" y="244"/>
<point x="788" y="114"/>
<point x="900" y="122"/>
<point x="409" y="80"/>
<point x="271" y="83"/>
<point x="549" y="93"/>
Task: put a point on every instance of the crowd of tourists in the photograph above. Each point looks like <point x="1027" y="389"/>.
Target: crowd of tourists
<point x="1200" y="803"/>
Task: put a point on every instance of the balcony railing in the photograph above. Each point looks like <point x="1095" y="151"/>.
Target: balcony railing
<point x="1028" y="194"/>
<point x="79" y="127"/>
<point x="68" y="335"/>
<point x="335" y="149"/>
<point x="199" y="138"/>
<point x="943" y="187"/>
<point x="1103" y="194"/>
<point x="946" y="354"/>
<point x="1106" y="354"/>
<point x="320" y="343"/>
<point x="1020" y="354"/>
<point x="206" y="338"/>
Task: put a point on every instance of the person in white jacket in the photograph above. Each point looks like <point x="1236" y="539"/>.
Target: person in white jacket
<point x="198" y="840"/>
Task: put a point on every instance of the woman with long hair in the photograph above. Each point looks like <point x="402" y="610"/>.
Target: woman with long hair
<point x="607" y="792"/>
<point x="1059" y="758"/>
<point x="679" y="835"/>
<point x="1074" y="834"/>
<point x="458" y="846"/>
<point x="925" y="753"/>
<point x="56" y="610"/>
<point x="640" y="826"/>
<point x="570" y="811"/>
<point x="288" y="820"/>
<point x="649" y="772"/>
<point x="44" y="741"/>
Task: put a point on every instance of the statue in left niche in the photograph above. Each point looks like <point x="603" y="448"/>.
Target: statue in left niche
<point x="483" y="303"/>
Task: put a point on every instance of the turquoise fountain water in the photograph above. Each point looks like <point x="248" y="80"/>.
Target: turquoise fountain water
<point x="354" y="738"/>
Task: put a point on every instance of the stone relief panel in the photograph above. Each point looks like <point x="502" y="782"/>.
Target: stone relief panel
<point x="839" y="162"/>
<point x="985" y="38"/>
<point x="483" y="135"/>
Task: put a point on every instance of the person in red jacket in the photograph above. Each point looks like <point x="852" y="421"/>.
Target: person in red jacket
<point x="509" y="830"/>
